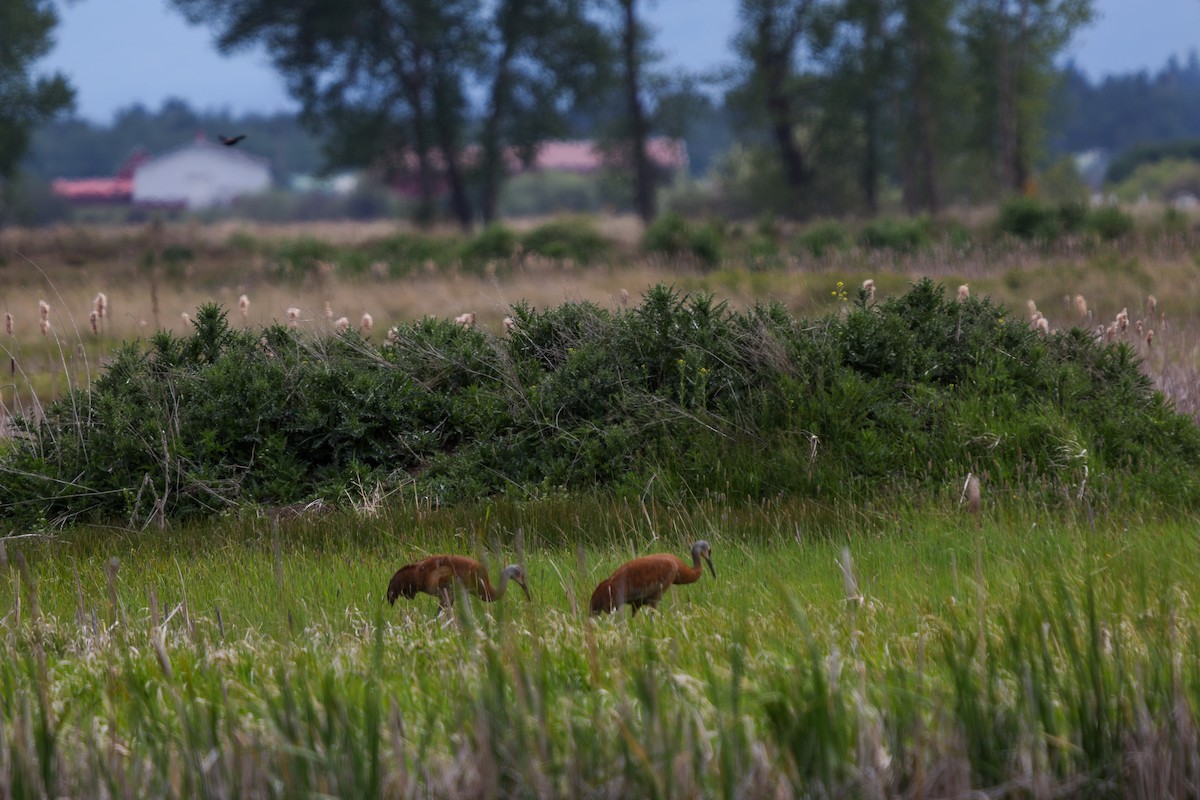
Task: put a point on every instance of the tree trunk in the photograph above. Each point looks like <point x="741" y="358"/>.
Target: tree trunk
<point x="1020" y="167"/>
<point x="1006" y="112"/>
<point x="926" y="179"/>
<point x="773" y="58"/>
<point x="413" y="94"/>
<point x="459" y="200"/>
<point x="643" y="177"/>
<point x="493" y="150"/>
<point x="873" y="44"/>
<point x="927" y="133"/>
<point x="870" y="169"/>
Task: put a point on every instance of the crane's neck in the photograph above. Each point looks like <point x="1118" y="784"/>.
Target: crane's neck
<point x="690" y="574"/>
<point x="492" y="594"/>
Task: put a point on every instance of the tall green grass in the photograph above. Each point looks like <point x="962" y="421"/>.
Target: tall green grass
<point x="837" y="653"/>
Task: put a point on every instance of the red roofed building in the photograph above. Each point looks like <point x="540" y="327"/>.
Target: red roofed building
<point x="117" y="189"/>
<point x="582" y="157"/>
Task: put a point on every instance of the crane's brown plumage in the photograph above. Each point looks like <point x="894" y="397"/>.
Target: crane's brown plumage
<point x="438" y="575"/>
<point x="642" y="581"/>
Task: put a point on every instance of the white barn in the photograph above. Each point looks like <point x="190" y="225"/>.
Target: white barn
<point x="199" y="175"/>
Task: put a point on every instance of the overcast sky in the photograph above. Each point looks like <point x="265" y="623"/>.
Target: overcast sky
<point x="144" y="52"/>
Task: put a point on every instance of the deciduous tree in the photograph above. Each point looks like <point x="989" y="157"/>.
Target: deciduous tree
<point x="26" y="98"/>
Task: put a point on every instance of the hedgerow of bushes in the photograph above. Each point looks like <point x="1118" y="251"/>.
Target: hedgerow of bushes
<point x="678" y="396"/>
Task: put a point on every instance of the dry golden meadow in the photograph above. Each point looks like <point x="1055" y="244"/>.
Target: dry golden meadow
<point x="67" y="267"/>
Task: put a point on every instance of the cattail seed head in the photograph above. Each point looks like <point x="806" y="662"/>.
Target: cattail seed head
<point x="92" y="318"/>
<point x="342" y="325"/>
<point x="1081" y="309"/>
<point x="244" y="306"/>
<point x="1042" y="326"/>
<point x="1151" y="304"/>
<point x="509" y="322"/>
<point x="43" y="310"/>
<point x="467" y="320"/>
<point x="186" y="318"/>
<point x="293" y="317"/>
<point x="8" y="324"/>
<point x="1123" y="320"/>
<point x="869" y="287"/>
<point x="1032" y="308"/>
<point x="624" y="297"/>
<point x="44" y="326"/>
<point x="328" y="310"/>
<point x="964" y="292"/>
<point x="974" y="495"/>
<point x="366" y="323"/>
<point x="1149" y="337"/>
<point x="100" y="305"/>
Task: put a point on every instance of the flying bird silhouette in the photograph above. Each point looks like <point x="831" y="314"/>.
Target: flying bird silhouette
<point x="439" y="575"/>
<point x="231" y="141"/>
<point x="642" y="581"/>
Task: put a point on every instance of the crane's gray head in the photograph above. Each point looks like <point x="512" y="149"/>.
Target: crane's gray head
<point x="517" y="574"/>
<point x="702" y="549"/>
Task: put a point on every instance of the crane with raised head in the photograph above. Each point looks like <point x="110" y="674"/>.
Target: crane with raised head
<point x="440" y="575"/>
<point x="642" y="581"/>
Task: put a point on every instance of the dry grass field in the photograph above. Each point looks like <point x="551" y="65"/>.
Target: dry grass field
<point x="67" y="267"/>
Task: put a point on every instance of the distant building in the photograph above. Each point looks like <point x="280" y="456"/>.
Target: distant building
<point x="201" y="174"/>
<point x="585" y="157"/>
<point x="665" y="154"/>
<point x="116" y="190"/>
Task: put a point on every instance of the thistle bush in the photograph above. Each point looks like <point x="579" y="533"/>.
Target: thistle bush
<point x="680" y="395"/>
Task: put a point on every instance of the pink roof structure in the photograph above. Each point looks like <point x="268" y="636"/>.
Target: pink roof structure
<point x="585" y="156"/>
<point x="117" y="189"/>
<point x="94" y="190"/>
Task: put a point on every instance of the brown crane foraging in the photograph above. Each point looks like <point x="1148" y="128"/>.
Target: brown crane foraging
<point x="440" y="576"/>
<point x="642" y="581"/>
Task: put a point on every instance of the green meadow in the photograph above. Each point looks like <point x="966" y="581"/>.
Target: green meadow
<point x="838" y="652"/>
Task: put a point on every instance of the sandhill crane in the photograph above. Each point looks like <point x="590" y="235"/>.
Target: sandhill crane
<point x="438" y="576"/>
<point x="642" y="581"/>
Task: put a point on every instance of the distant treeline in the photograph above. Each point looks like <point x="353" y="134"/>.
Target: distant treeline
<point x="1121" y="112"/>
<point x="78" y="148"/>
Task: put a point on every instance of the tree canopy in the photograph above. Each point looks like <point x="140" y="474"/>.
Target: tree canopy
<point x="26" y="99"/>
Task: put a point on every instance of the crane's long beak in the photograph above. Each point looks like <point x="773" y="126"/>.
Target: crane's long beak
<point x="525" y="589"/>
<point x="710" y="566"/>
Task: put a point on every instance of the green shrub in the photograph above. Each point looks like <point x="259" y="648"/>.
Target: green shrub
<point x="680" y="392"/>
<point x="1073" y="216"/>
<point x="407" y="252"/>
<point x="1175" y="221"/>
<point x="1029" y="219"/>
<point x="1109" y="223"/>
<point x="673" y="235"/>
<point x="906" y="235"/>
<point x="576" y="239"/>
<point x="295" y="259"/>
<point x="822" y="237"/>
<point x="550" y="192"/>
<point x="493" y="243"/>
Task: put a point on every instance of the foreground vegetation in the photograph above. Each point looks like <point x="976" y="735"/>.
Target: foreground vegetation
<point x="863" y="636"/>
<point x="839" y="652"/>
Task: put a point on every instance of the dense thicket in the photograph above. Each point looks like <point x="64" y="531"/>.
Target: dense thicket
<point x="679" y="396"/>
